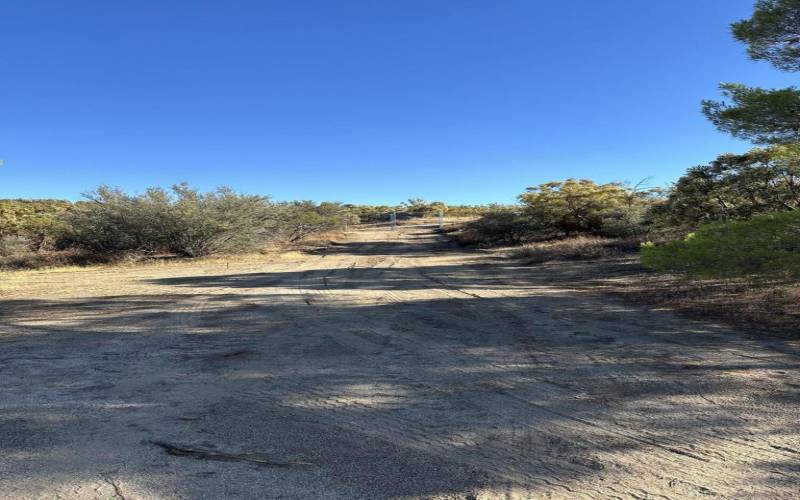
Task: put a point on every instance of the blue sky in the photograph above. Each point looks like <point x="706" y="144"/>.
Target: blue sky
<point x="361" y="101"/>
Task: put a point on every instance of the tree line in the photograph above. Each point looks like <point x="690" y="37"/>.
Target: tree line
<point x="736" y="215"/>
<point x="180" y="221"/>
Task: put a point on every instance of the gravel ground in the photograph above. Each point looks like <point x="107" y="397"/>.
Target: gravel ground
<point x="392" y="365"/>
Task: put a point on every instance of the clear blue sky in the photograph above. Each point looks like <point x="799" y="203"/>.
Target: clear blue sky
<point x="361" y="101"/>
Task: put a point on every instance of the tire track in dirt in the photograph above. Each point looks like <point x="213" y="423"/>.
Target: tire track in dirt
<point x="652" y="440"/>
<point x="541" y="389"/>
<point x="411" y="428"/>
<point x="672" y="445"/>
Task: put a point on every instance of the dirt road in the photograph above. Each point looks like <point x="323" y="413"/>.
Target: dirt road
<point x="391" y="366"/>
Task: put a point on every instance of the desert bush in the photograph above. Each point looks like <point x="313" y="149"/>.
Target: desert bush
<point x="564" y="208"/>
<point x="15" y="213"/>
<point x="11" y="245"/>
<point x="763" y="246"/>
<point x="35" y="220"/>
<point x="469" y="210"/>
<point x="627" y="221"/>
<point x="219" y="222"/>
<point x="298" y="220"/>
<point x="414" y="207"/>
<point x="576" y="248"/>
<point x="417" y="207"/>
<point x="499" y="227"/>
<point x="181" y="221"/>
<point x="370" y="214"/>
<point x="60" y="258"/>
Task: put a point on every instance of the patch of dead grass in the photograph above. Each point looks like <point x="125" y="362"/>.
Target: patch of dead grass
<point x="759" y="306"/>
<point x="764" y="307"/>
<point x="575" y="248"/>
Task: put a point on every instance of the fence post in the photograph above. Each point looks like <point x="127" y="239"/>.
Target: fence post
<point x="441" y="219"/>
<point x="394" y="220"/>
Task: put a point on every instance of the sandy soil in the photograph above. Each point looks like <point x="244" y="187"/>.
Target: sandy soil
<point x="391" y="366"/>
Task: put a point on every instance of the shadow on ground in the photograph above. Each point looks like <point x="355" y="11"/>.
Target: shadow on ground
<point x="530" y="386"/>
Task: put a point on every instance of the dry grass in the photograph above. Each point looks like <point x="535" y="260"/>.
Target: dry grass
<point x="763" y="307"/>
<point x="576" y="248"/>
<point x="760" y="306"/>
<point x="44" y="263"/>
<point x="67" y="260"/>
<point x="44" y="260"/>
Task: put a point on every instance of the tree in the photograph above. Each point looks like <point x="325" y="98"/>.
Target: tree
<point x="760" y="115"/>
<point x="736" y="187"/>
<point x="773" y="33"/>
<point x="418" y="207"/>
<point x="574" y="206"/>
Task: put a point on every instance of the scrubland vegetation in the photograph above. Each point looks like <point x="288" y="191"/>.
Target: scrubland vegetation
<point x="733" y="217"/>
<point x="111" y="224"/>
<point x="181" y="222"/>
<point x="736" y="217"/>
<point x="726" y="235"/>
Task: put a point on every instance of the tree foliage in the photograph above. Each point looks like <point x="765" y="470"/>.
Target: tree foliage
<point x="413" y="207"/>
<point x="760" y="115"/>
<point x="297" y="220"/>
<point x="563" y="208"/>
<point x="417" y="207"/>
<point x="498" y="226"/>
<point x="736" y="187"/>
<point x="582" y="206"/>
<point x="766" y="245"/>
<point x="772" y="33"/>
<point x="33" y="221"/>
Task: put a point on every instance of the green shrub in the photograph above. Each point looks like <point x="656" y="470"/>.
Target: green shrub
<point x="766" y="245"/>
<point x="190" y="223"/>
<point x="181" y="221"/>
<point x="626" y="222"/>
<point x="581" y="206"/>
<point x="297" y="220"/>
<point x="35" y="220"/>
<point x="499" y="227"/>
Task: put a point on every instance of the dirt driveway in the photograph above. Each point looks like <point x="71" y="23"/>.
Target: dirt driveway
<point x="390" y="366"/>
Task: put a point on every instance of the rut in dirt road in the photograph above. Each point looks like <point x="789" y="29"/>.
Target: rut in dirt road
<point x="391" y="365"/>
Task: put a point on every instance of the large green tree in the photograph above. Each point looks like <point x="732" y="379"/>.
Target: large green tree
<point x="736" y="187"/>
<point x="773" y="33"/>
<point x="764" y="116"/>
<point x="581" y="205"/>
